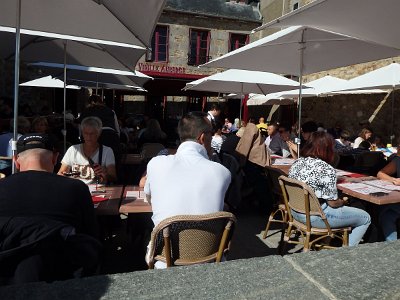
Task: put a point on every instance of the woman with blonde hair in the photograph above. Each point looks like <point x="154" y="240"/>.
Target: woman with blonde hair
<point x="90" y="160"/>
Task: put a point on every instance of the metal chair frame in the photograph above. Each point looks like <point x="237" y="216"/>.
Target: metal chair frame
<point x="300" y="197"/>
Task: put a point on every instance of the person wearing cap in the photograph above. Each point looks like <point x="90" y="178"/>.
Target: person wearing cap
<point x="91" y="160"/>
<point x="63" y="199"/>
<point x="51" y="204"/>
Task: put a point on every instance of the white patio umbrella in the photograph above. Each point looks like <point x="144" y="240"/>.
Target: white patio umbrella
<point x="95" y="74"/>
<point x="325" y="86"/>
<point x="123" y="21"/>
<point x="49" y="82"/>
<point x="387" y="77"/>
<point x="301" y="50"/>
<point x="57" y="48"/>
<point x="39" y="46"/>
<point x="243" y="82"/>
<point x="370" y="20"/>
<point x="270" y="99"/>
<point x="105" y="85"/>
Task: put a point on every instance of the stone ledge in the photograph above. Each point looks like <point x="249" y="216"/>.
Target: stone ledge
<point x="368" y="271"/>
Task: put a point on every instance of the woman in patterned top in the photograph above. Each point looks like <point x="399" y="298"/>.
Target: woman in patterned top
<point x="314" y="169"/>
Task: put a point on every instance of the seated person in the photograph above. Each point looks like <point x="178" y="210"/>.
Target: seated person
<point x="390" y="213"/>
<point x="313" y="168"/>
<point x="364" y="135"/>
<point x="378" y="143"/>
<point x="90" y="160"/>
<point x="275" y="144"/>
<point x="307" y="129"/>
<point x="40" y="125"/>
<point x="218" y="138"/>
<point x="152" y="134"/>
<point x="261" y="124"/>
<point x="284" y="132"/>
<point x="53" y="206"/>
<point x="229" y="145"/>
<point x="343" y="144"/>
<point x="179" y="184"/>
<point x="227" y="128"/>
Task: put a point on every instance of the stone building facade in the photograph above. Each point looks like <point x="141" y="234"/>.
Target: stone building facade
<point x="349" y="110"/>
<point x="190" y="33"/>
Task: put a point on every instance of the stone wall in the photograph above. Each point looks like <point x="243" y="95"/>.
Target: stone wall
<point x="220" y="29"/>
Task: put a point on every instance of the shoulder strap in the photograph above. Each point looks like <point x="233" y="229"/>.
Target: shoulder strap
<point x="100" y="154"/>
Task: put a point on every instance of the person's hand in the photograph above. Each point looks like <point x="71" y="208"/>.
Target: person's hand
<point x="396" y="181"/>
<point x="100" y="172"/>
<point x="291" y="145"/>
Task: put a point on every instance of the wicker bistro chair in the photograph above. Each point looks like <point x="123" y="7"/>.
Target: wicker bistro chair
<point x="191" y="239"/>
<point x="299" y="196"/>
<point x="280" y="206"/>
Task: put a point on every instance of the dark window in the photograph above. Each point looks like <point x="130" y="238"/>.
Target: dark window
<point x="237" y="40"/>
<point x="199" y="47"/>
<point x="295" y="6"/>
<point x="159" y="45"/>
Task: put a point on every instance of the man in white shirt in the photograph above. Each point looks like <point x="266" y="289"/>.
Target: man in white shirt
<point x="187" y="182"/>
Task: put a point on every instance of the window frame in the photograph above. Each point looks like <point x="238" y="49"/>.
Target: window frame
<point x="231" y="35"/>
<point x="156" y="42"/>
<point x="198" y="48"/>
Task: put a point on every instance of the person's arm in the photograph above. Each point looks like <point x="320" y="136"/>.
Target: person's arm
<point x="292" y="148"/>
<point x="63" y="169"/>
<point x="387" y="172"/>
<point x="337" y="202"/>
<point x="143" y="179"/>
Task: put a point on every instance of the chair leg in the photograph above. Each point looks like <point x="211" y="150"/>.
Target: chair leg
<point x="281" y="242"/>
<point x="307" y="242"/>
<point x="267" y="227"/>
<point x="345" y="238"/>
<point x="272" y="219"/>
<point x="286" y="238"/>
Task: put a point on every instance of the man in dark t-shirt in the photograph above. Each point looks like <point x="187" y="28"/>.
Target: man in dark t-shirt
<point x="47" y="222"/>
<point x="37" y="192"/>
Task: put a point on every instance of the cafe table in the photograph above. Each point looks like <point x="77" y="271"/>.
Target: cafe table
<point x="112" y="198"/>
<point x="134" y="201"/>
<point x="388" y="197"/>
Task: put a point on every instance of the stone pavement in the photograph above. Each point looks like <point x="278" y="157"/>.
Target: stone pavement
<point x="369" y="271"/>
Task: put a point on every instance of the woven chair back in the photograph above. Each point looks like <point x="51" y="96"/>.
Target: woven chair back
<point x="192" y="238"/>
<point x="301" y="197"/>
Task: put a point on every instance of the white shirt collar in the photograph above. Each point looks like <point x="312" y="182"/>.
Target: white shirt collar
<point x="192" y="147"/>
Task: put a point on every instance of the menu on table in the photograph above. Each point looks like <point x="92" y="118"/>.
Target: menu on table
<point x="362" y="188"/>
<point x="383" y="184"/>
<point x="283" y="161"/>
<point x="137" y="195"/>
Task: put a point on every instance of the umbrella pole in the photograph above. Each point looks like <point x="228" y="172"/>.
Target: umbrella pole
<point x="16" y="82"/>
<point x="302" y="44"/>
<point x="64" y="131"/>
<point x="392" y="121"/>
<point x="241" y="105"/>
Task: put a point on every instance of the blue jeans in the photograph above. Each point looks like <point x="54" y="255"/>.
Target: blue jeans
<point x="387" y="219"/>
<point x="356" y="218"/>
